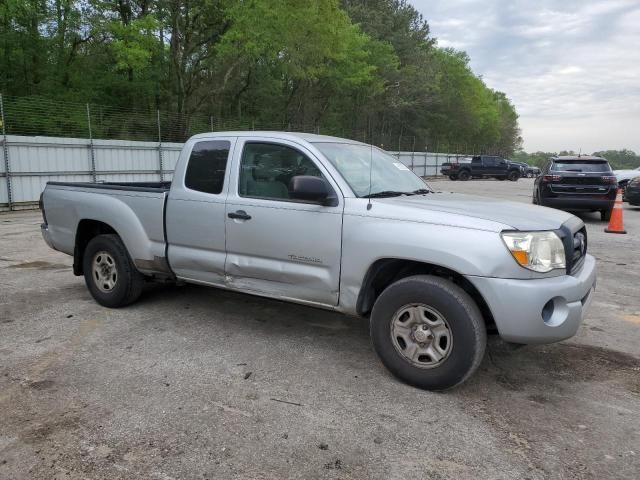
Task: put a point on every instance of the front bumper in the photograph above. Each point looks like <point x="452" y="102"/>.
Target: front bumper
<point x="540" y="310"/>
<point x="578" y="203"/>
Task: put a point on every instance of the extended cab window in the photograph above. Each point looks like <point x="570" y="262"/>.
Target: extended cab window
<point x="207" y="164"/>
<point x="267" y="168"/>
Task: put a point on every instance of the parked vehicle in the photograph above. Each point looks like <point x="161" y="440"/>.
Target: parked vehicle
<point x="341" y="225"/>
<point x="449" y="169"/>
<point x="533" y="172"/>
<point x="523" y="167"/>
<point x="483" y="166"/>
<point x="624" y="176"/>
<point x="528" y="170"/>
<point x="632" y="192"/>
<point x="577" y="183"/>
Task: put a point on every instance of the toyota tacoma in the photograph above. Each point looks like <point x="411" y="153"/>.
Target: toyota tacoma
<point x="340" y="225"/>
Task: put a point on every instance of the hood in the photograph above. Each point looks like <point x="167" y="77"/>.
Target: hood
<point x="487" y="211"/>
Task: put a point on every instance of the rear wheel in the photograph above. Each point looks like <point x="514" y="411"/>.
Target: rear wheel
<point x="109" y="273"/>
<point x="464" y="176"/>
<point x="605" y="215"/>
<point x="453" y="177"/>
<point x="428" y="332"/>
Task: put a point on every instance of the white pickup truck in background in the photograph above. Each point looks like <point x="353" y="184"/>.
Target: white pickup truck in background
<point x="336" y="224"/>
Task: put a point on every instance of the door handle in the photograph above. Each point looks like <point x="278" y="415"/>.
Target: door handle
<point x="239" y="215"/>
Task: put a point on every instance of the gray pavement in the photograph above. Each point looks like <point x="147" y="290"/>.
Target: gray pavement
<point x="200" y="383"/>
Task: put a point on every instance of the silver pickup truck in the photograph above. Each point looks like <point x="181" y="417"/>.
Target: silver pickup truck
<point x="341" y="225"/>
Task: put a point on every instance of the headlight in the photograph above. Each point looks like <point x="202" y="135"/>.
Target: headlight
<point x="537" y="251"/>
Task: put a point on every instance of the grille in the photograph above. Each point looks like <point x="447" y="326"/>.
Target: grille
<point x="575" y="257"/>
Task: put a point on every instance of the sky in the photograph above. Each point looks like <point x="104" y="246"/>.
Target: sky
<point x="571" y="68"/>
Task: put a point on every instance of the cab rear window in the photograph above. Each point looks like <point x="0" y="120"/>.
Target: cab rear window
<point x="207" y="165"/>
<point x="581" y="166"/>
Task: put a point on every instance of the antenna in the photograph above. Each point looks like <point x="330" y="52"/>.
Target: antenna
<point x="370" y="170"/>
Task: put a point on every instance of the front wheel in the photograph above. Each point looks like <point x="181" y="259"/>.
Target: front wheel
<point x="428" y="332"/>
<point x="605" y="215"/>
<point x="453" y="177"/>
<point x="109" y="273"/>
<point x="513" y="176"/>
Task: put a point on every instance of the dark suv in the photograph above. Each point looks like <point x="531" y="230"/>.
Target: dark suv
<point x="577" y="183"/>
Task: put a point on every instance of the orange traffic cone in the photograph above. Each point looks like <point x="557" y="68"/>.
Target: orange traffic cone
<point x="616" y="225"/>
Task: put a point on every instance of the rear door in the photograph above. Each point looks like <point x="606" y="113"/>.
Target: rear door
<point x="476" y="166"/>
<point x="492" y="166"/>
<point x="195" y="211"/>
<point x="277" y="246"/>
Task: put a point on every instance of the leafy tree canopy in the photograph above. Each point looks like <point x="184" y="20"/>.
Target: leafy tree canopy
<point x="366" y="69"/>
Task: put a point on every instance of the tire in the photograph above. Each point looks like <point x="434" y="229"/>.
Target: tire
<point x="605" y="215"/>
<point x="502" y="179"/>
<point x="453" y="178"/>
<point x="463" y="348"/>
<point x="513" y="176"/>
<point x="463" y="176"/>
<point x="535" y="198"/>
<point x="109" y="273"/>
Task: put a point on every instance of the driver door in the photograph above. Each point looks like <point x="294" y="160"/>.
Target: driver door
<point x="278" y="246"/>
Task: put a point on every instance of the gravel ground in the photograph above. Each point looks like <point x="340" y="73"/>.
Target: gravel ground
<point x="200" y="383"/>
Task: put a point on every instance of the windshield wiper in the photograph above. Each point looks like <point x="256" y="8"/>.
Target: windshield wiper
<point x="394" y="193"/>
<point x="385" y="193"/>
<point x="421" y="191"/>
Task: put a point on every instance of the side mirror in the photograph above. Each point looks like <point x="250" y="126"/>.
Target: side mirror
<point x="311" y="189"/>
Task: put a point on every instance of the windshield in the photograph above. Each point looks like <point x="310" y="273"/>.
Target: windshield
<point x="388" y="175"/>
<point x="580" y="166"/>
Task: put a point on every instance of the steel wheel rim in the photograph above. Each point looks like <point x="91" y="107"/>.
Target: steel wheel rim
<point x="421" y="335"/>
<point x="104" y="271"/>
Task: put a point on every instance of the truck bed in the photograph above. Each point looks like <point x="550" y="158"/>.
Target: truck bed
<point x="135" y="210"/>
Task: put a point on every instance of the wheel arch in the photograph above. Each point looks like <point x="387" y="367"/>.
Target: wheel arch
<point x="385" y="271"/>
<point x="86" y="230"/>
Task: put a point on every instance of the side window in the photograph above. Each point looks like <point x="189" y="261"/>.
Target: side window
<point x="490" y="161"/>
<point x="267" y="168"/>
<point x="476" y="161"/>
<point x="207" y="164"/>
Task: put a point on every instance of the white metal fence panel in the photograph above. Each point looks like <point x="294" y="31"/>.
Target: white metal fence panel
<point x="426" y="164"/>
<point x="33" y="161"/>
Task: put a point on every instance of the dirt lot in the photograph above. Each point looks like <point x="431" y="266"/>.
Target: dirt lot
<point x="193" y="382"/>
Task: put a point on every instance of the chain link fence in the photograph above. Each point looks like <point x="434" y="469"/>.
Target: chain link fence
<point x="38" y="116"/>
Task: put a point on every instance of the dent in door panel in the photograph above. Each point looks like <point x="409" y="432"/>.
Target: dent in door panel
<point x="284" y="278"/>
<point x="198" y="263"/>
